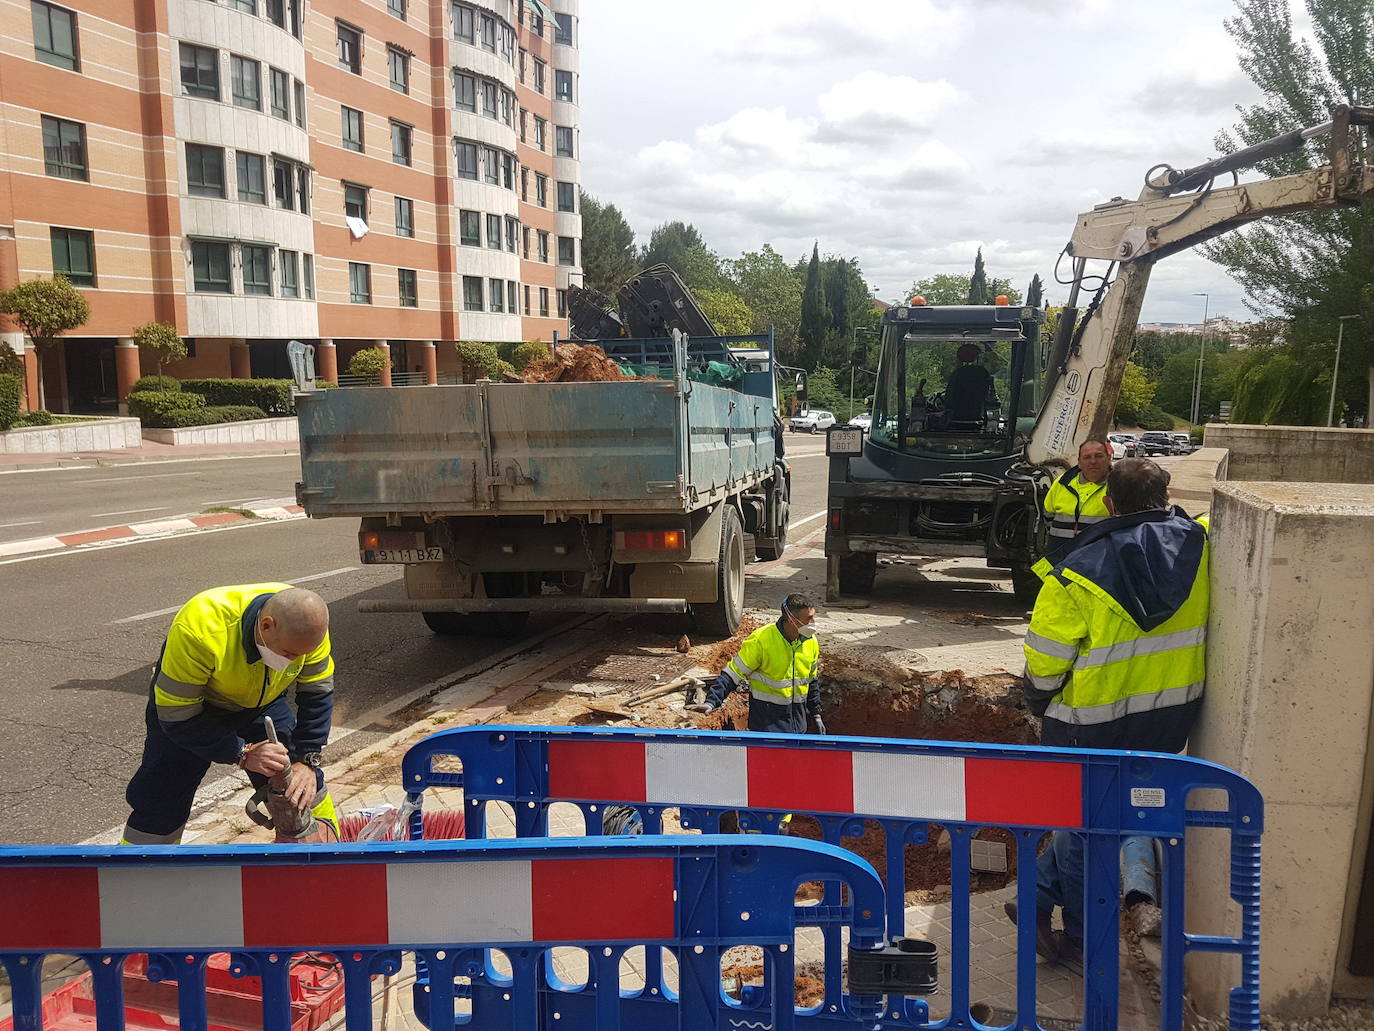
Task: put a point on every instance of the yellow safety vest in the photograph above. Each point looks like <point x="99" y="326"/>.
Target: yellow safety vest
<point x="1072" y="505"/>
<point x="774" y="669"/>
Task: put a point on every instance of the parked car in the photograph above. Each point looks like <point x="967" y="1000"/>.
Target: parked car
<point x="1123" y="444"/>
<point x="813" y="421"/>
<point x="1184" y="443"/>
<point x="1156" y="442"/>
<point x="863" y="421"/>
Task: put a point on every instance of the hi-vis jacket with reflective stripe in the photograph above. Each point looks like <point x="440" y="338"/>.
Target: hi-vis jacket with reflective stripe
<point x="210" y="666"/>
<point x="780" y="676"/>
<point x="1072" y="505"/>
<point x="1115" y="654"/>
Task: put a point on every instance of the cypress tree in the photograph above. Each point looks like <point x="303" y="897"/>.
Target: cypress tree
<point x="978" y="285"/>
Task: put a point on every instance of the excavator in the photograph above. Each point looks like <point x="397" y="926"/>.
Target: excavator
<point x="941" y="476"/>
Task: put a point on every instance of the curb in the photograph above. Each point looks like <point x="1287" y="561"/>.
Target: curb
<point x="109" y="459"/>
<point x="285" y="509"/>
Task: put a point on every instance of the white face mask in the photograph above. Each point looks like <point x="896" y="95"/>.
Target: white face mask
<point x="270" y="659"/>
<point x="807" y="631"/>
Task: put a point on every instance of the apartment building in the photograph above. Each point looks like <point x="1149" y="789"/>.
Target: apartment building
<point x="348" y="173"/>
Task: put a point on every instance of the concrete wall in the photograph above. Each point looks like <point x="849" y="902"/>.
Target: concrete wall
<point x="72" y="438"/>
<point x="1290" y="687"/>
<point x="1302" y="454"/>
<point x="228" y="432"/>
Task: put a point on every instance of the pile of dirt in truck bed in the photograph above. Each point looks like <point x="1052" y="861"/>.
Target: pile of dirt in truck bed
<point x="574" y="363"/>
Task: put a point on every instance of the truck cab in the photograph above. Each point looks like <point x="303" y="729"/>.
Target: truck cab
<point x="955" y="402"/>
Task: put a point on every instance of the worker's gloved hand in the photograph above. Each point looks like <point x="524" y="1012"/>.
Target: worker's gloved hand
<point x="300" y="786"/>
<point x="266" y="757"/>
<point x="819" y="724"/>
<point x="704" y="708"/>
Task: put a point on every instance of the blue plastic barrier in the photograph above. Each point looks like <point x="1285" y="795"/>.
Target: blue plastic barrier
<point x="903" y="785"/>
<point x="447" y="902"/>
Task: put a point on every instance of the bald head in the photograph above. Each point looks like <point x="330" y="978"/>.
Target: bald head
<point x="1136" y="485"/>
<point x="293" y="622"/>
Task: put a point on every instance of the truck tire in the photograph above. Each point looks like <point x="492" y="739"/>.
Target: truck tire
<point x="476" y="624"/>
<point x="857" y="570"/>
<point x="448" y="624"/>
<point x="722" y="616"/>
<point x="1025" y="584"/>
<point x="770" y="549"/>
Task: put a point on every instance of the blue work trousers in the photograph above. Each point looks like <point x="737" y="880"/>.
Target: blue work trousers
<point x="1059" y="876"/>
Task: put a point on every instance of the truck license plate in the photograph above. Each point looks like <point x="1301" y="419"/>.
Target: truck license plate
<point x="403" y="555"/>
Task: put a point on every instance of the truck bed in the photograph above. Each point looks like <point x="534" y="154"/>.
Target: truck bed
<point x="522" y="448"/>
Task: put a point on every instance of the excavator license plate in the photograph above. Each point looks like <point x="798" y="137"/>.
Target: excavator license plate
<point x="375" y="556"/>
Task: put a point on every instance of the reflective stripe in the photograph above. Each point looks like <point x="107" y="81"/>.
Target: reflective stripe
<point x="1140" y="646"/>
<point x="1062" y="531"/>
<point x="1045" y="685"/>
<point x="739" y="678"/>
<point x="1048" y="646"/>
<point x="1091" y="715"/>
<point x="783" y="685"/>
<point x="315" y="686"/>
<point x="178" y="712"/>
<point x="314" y="669"/>
<point x="764" y="695"/>
<point x="175" y="689"/>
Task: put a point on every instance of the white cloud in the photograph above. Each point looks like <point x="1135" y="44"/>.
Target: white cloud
<point x="873" y="106"/>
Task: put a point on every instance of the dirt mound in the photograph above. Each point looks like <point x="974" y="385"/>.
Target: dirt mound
<point x="574" y="363"/>
<point x="809" y="990"/>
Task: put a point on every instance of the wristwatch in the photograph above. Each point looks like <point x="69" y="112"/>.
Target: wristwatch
<point x="243" y="754"/>
<point x="312" y="759"/>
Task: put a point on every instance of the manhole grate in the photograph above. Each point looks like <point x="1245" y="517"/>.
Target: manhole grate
<point x="628" y="668"/>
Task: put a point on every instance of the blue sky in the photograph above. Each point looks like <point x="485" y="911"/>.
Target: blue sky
<point x="906" y="133"/>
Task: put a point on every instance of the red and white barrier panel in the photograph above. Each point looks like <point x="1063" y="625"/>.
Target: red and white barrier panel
<point x="323" y="905"/>
<point x="1023" y="792"/>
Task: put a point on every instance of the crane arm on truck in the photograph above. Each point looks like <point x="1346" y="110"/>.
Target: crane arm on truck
<point x="1176" y="210"/>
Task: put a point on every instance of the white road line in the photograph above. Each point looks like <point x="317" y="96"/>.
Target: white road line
<point x="808" y="454"/>
<point x="124" y="542"/>
<point x="127" y="479"/>
<point x="803" y="522"/>
<point x="132" y="511"/>
<point x="107" y="464"/>
<point x="167" y="612"/>
<point x="31" y="522"/>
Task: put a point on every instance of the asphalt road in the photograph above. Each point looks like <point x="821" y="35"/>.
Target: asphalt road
<point x="53" y="501"/>
<point x="80" y="629"/>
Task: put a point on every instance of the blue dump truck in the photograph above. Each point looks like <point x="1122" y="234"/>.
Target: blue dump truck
<point x="500" y="499"/>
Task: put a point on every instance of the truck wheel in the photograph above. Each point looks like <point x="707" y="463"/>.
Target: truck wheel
<point x="502" y="624"/>
<point x="857" y="570"/>
<point x="1025" y="584"/>
<point x="770" y="549"/>
<point x="721" y="617"/>
<point x="448" y="624"/>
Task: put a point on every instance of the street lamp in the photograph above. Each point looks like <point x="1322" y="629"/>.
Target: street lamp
<point x="1336" y="369"/>
<point x="1201" y="355"/>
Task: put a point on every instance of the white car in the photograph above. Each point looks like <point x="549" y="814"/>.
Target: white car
<point x="813" y="421"/>
<point x="863" y="421"/>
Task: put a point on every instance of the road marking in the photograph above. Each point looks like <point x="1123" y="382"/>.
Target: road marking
<point x="31" y="522"/>
<point x="124" y="542"/>
<point x="131" y="511"/>
<point x="126" y="479"/>
<point x="808" y="454"/>
<point x="803" y="522"/>
<point x="176" y="608"/>
<point x="105" y="464"/>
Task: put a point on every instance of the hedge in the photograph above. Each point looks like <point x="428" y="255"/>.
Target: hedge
<point x="273" y="396"/>
<point x="154" y="407"/>
<point x="166" y="384"/>
<point x="11" y="391"/>
<point x="37" y="417"/>
<point x="211" y="416"/>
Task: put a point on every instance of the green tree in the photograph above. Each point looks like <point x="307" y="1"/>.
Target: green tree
<point x="727" y="311"/>
<point x="773" y="292"/>
<point x="370" y="361"/>
<point x="1035" y="293"/>
<point x="1137" y="393"/>
<point x="1312" y="267"/>
<point x="949" y="288"/>
<point x="479" y="360"/>
<point x="608" y="246"/>
<point x="45" y="309"/>
<point x="978" y="282"/>
<point x="815" y="313"/>
<point x="679" y="245"/>
<point x="161" y="342"/>
<point x="529" y="351"/>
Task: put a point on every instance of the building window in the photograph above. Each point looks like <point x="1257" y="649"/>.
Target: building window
<point x="200" y="72"/>
<point x="507" y="42"/>
<point x="543" y="246"/>
<point x="524" y="59"/>
<point x="494" y="232"/>
<point x="525" y="244"/>
<point x="491" y="160"/>
<point x="359" y="282"/>
<point x="64" y="148"/>
<point x="355" y="201"/>
<point x="539" y="67"/>
<point x="246" y="6"/>
<point x="562" y="29"/>
<point x="512" y="229"/>
<point x="352" y="129"/>
<point x="487" y="24"/>
<point x="210" y="267"/>
<point x="470" y="228"/>
<point x="281" y="93"/>
<point x="405" y="217"/>
<point x="290" y="273"/>
<point x="513" y="297"/>
<point x="283" y="183"/>
<point x="204" y="170"/>
<point x="524" y="184"/>
<point x="257" y="269"/>
<point x="562" y="296"/>
<point x="563" y="85"/>
<point x="524" y="119"/>
<point x="73" y="255"/>
<point x="508" y="171"/>
<point x="496" y="292"/>
<point x="541" y="128"/>
<point x="308" y="276"/>
<point x="54" y="36"/>
<point x="245" y="76"/>
<point x="490" y="94"/>
<point x="537" y="23"/>
<point x="397" y="7"/>
<point x="563" y="141"/>
<point x="398" y="68"/>
<point x="567" y="196"/>
<point x="463" y="22"/>
<point x="543" y="302"/>
<point x="567" y="250"/>
<point x="541" y="189"/>
<point x="252" y="177"/>
<point x="465" y="92"/>
<point x="303" y="189"/>
<point x="400" y="143"/>
<point x="299" y="89"/>
<point x="408" y="287"/>
<point x="350" y="48"/>
<point x="472" y="293"/>
<point x="465" y="155"/>
<point x="527" y="299"/>
<point x="276" y="13"/>
<point x="508" y="107"/>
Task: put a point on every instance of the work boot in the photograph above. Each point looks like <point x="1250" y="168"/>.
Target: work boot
<point x="1069" y="953"/>
<point x="1046" y="946"/>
